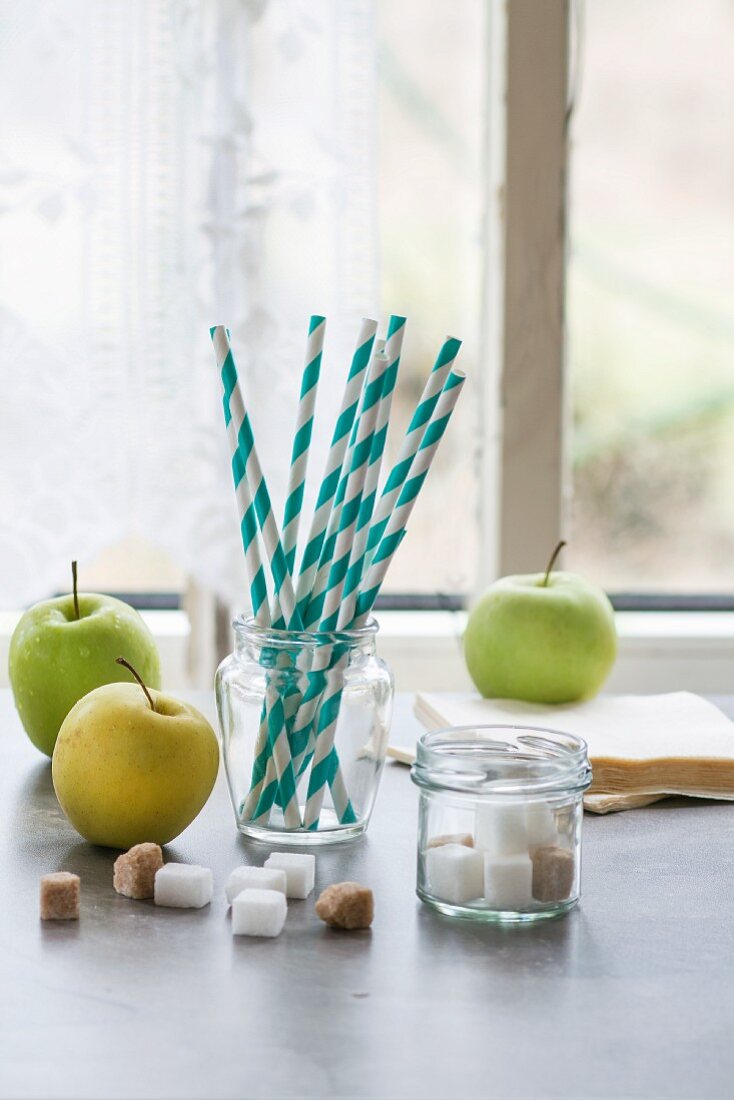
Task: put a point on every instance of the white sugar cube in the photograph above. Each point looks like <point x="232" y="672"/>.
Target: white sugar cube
<point x="455" y="873"/>
<point x="508" y="881"/>
<point x="183" y="886"/>
<point x="541" y="822"/>
<point x="258" y="913"/>
<point x="254" y="878"/>
<point x="502" y="829"/>
<point x="300" y="871"/>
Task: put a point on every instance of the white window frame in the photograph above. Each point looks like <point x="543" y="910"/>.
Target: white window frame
<point x="524" y="482"/>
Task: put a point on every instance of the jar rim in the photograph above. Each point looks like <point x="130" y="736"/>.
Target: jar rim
<point x="466" y="759"/>
<point x="246" y="626"/>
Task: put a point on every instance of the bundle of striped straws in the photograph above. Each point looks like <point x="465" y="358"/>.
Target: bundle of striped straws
<point x="331" y="585"/>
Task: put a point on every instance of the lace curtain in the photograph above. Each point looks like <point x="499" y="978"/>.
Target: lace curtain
<point x="163" y="167"/>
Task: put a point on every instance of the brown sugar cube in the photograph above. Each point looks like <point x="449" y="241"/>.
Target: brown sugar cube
<point x="134" y="875"/>
<point x="60" y="896"/>
<point x="451" y="838"/>
<point x="553" y="874"/>
<point x="346" y="905"/>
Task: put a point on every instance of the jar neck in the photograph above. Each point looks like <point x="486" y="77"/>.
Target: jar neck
<point x="502" y="761"/>
<point x="258" y="642"/>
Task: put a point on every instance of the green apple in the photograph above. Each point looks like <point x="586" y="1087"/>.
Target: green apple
<point x="133" y="765"/>
<point x="63" y="648"/>
<point x="543" y="638"/>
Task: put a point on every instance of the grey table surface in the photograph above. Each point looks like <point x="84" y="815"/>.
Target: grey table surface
<point x="631" y="995"/>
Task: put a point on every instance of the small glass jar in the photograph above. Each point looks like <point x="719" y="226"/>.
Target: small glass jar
<point x="499" y="830"/>
<point x="304" y="720"/>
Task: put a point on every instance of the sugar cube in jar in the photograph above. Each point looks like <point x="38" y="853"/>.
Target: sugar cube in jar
<point x="499" y="829"/>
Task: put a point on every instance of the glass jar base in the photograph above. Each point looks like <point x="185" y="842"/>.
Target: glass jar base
<point x="327" y="833"/>
<point x="496" y="916"/>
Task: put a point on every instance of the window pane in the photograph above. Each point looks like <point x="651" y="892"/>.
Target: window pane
<point x="651" y="296"/>
<point x="430" y="200"/>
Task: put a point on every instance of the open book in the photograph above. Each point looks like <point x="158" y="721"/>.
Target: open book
<point x="642" y="747"/>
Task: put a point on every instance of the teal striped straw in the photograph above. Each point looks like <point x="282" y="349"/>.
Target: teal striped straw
<point x="412" y="440"/>
<point x="245" y="504"/>
<point x="302" y="438"/>
<point x="393" y="347"/>
<point x="395" y="528"/>
<point x="291" y="520"/>
<point x="325" y="770"/>
<point x="252" y="476"/>
<point x="359" y="452"/>
<point x="335" y="458"/>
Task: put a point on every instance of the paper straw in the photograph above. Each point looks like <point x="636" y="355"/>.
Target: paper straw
<point x="253" y="476"/>
<point x="299" y="460"/>
<point x="408" y="495"/>
<point x="245" y="504"/>
<point x="412" y="440"/>
<point x="324" y="764"/>
<point x="261" y="496"/>
<point x="291" y="521"/>
<point x="334" y="461"/>
<point x="358" y="457"/>
<point x="393" y="346"/>
<point x="302" y="438"/>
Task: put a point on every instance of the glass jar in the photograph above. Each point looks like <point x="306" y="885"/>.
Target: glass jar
<point x="499" y="830"/>
<point x="304" y="720"/>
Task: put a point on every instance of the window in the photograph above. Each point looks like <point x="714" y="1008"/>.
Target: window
<point x="432" y="112"/>
<point x="164" y="168"/>
<point x="651" y="297"/>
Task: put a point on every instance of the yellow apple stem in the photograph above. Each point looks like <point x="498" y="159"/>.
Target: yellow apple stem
<point x="552" y="562"/>
<point x="129" y="667"/>
<point x="76" y="597"/>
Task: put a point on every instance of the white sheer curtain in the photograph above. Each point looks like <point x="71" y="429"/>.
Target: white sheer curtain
<point x="163" y="167"/>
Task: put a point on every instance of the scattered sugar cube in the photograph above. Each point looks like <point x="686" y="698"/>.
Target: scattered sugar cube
<point x="183" y="886"/>
<point x="346" y="905"/>
<point x="60" y="896"/>
<point x="451" y="838"/>
<point x="455" y="873"/>
<point x="300" y="871"/>
<point x="254" y="878"/>
<point x="258" y="913"/>
<point x="502" y="829"/>
<point x="553" y="874"/>
<point x="135" y="871"/>
<point x="541" y="823"/>
<point x="508" y="881"/>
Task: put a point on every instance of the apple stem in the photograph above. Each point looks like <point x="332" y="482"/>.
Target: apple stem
<point x="552" y="562"/>
<point x="76" y="597"/>
<point x="129" y="667"/>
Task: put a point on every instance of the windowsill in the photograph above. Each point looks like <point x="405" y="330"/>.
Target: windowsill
<point x="658" y="650"/>
<point x="633" y="627"/>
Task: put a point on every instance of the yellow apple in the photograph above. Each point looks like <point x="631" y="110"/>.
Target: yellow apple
<point x="132" y="765"/>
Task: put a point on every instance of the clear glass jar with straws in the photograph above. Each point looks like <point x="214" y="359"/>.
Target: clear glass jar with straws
<point x="328" y="697"/>
<point x="304" y="702"/>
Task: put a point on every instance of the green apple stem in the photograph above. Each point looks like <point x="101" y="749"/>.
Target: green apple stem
<point x="552" y="562"/>
<point x="129" y="667"/>
<point x="76" y="597"/>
